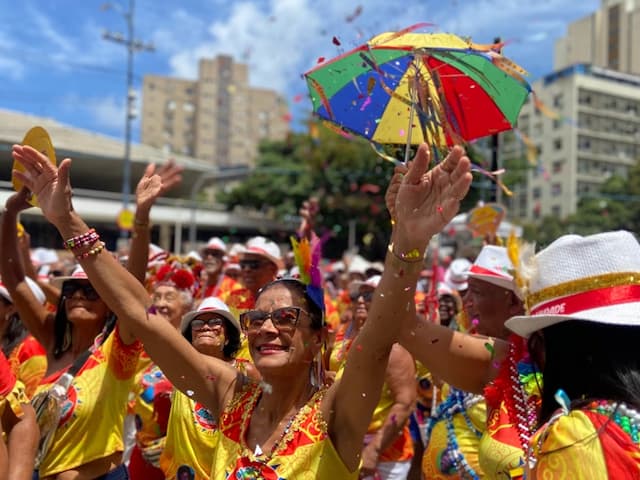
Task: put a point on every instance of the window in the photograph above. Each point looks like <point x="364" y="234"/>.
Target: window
<point x="557" y="144"/>
<point x="170" y="105"/>
<point x="557" y="123"/>
<point x="557" y="101"/>
<point x="537" y="193"/>
<point x="556" y="211"/>
<point x="557" y="166"/>
<point x="556" y="189"/>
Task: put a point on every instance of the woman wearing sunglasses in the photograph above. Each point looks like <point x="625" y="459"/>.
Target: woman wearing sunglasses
<point x="86" y="442"/>
<point x="289" y="426"/>
<point x="388" y="448"/>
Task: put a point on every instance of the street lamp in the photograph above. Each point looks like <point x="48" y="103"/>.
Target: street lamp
<point x="133" y="46"/>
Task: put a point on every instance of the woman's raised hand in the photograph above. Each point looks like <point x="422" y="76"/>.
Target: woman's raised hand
<point x="155" y="182"/>
<point x="50" y="184"/>
<point x="427" y="200"/>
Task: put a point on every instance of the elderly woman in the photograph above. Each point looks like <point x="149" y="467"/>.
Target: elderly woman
<point x="79" y="335"/>
<point x="290" y="426"/>
<point x="191" y="433"/>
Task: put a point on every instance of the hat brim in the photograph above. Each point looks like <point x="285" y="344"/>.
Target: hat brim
<point x="626" y="314"/>
<point x="275" y="260"/>
<point x="497" y="281"/>
<point x="58" y="281"/>
<point x="188" y="317"/>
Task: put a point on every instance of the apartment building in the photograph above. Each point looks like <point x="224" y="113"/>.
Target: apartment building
<point x="218" y="118"/>
<point x="596" y="134"/>
<point x="608" y="38"/>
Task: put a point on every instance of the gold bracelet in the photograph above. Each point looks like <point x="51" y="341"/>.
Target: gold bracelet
<point x="412" y="256"/>
<point x="141" y="224"/>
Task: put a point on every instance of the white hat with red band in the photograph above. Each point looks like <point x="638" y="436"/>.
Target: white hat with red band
<point x="265" y="248"/>
<point x="216" y="243"/>
<point x="594" y="278"/>
<point x="492" y="265"/>
<point x="77" y="274"/>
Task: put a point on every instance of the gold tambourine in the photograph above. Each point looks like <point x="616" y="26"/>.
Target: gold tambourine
<point x="39" y="139"/>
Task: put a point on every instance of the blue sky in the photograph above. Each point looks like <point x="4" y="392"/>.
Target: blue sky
<point x="54" y="62"/>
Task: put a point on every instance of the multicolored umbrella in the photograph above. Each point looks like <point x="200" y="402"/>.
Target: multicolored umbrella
<point x="408" y="88"/>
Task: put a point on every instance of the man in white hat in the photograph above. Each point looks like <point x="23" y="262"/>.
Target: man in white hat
<point x="259" y="264"/>
<point x="215" y="282"/>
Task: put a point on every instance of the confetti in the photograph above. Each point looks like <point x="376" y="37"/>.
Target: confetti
<point x="189" y="393"/>
<point x="359" y="348"/>
<point x="365" y="104"/>
<point x="336" y="41"/>
<point x="489" y="347"/>
<point x="211" y="377"/>
<point x="266" y="387"/>
<point x="434" y="341"/>
<point x="355" y="14"/>
<point x="371" y="84"/>
<point x="475" y="322"/>
<point x="320" y="59"/>
<point x="298" y="98"/>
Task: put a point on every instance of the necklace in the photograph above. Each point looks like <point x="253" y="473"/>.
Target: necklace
<point x="627" y="418"/>
<point x="457" y="402"/>
<point x="509" y="388"/>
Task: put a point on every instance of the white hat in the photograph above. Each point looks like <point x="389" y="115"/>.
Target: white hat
<point x="372" y="282"/>
<point x="35" y="289"/>
<point x="194" y="255"/>
<point x="594" y="278"/>
<point x="157" y="255"/>
<point x="444" y="289"/>
<point x="358" y="264"/>
<point x="209" y="304"/>
<point x="265" y="248"/>
<point x="216" y="243"/>
<point x="456" y="275"/>
<point x="77" y="274"/>
<point x="493" y="266"/>
<point x="44" y="256"/>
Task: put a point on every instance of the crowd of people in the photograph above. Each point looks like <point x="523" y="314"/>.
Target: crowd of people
<point x="235" y="362"/>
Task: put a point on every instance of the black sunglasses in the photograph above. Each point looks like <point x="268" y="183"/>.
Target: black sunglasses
<point x="251" y="264"/>
<point x="285" y="319"/>
<point x="367" y="295"/>
<point x="88" y="292"/>
<point x="199" y="323"/>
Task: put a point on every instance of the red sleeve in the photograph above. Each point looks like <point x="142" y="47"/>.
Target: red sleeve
<point x="7" y="378"/>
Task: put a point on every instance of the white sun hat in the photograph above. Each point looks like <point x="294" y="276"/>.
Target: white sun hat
<point x="594" y="278"/>
<point x="209" y="304"/>
<point x="493" y="266"/>
<point x="456" y="275"/>
<point x="77" y="274"/>
<point x="216" y="243"/>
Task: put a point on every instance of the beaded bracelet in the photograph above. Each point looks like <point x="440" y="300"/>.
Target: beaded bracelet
<point x="88" y="238"/>
<point x="94" y="251"/>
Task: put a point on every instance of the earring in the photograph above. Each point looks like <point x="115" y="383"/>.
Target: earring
<point x="66" y="339"/>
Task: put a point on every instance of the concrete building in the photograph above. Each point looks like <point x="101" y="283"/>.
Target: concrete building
<point x="608" y="38"/>
<point x="596" y="135"/>
<point x="96" y="177"/>
<point x="218" y="118"/>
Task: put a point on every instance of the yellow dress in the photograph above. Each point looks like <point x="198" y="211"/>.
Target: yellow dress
<point x="466" y="415"/>
<point x="191" y="438"/>
<point x="92" y="420"/>
<point x="304" y="452"/>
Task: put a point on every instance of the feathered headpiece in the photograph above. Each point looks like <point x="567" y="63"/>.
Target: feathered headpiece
<point x="522" y="256"/>
<point x="307" y="255"/>
<point x="175" y="275"/>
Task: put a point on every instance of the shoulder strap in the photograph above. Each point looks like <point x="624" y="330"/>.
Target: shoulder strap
<point x="79" y="362"/>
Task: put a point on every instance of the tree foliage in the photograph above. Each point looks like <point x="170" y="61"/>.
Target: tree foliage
<point x="346" y="175"/>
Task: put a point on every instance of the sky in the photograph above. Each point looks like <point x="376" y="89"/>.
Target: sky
<point x="55" y="63"/>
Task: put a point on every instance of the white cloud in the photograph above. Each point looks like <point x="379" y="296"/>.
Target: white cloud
<point x="107" y="113"/>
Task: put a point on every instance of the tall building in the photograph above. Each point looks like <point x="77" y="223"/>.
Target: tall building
<point x="608" y="38"/>
<point x="217" y="118"/>
<point x="596" y="135"/>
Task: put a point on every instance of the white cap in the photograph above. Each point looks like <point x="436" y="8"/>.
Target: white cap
<point x="265" y="248"/>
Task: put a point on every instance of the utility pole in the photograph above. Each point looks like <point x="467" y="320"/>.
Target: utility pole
<point x="495" y="195"/>
<point x="132" y="46"/>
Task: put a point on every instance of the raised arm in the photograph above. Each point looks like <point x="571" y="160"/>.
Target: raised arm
<point x="32" y="313"/>
<point x="149" y="188"/>
<point x="425" y="202"/>
<point x="204" y="378"/>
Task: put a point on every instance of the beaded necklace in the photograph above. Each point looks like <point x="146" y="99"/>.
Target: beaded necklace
<point x="508" y="388"/>
<point x="457" y="402"/>
<point x="627" y="418"/>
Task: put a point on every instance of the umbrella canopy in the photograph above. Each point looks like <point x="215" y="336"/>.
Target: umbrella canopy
<point x="459" y="91"/>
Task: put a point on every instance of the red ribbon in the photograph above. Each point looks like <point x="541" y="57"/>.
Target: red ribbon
<point x="601" y="297"/>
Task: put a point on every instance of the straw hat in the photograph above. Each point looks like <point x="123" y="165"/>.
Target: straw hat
<point x="493" y="266"/>
<point x="594" y="278"/>
<point x="213" y="305"/>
